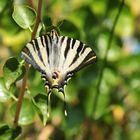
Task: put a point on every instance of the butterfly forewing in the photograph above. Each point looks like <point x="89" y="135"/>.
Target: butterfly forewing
<point x="36" y="54"/>
<point x="75" y="55"/>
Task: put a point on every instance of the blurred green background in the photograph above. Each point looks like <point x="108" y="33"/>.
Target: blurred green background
<point x="117" y="112"/>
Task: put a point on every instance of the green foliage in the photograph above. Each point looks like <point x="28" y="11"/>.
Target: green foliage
<point x="27" y="113"/>
<point x="13" y="71"/>
<point x="6" y="93"/>
<point x="8" y="133"/>
<point x="41" y="104"/>
<point x="116" y="115"/>
<point x="24" y="16"/>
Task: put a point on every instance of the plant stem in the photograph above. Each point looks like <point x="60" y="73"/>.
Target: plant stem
<point x="20" y="98"/>
<point x="105" y="57"/>
<point x="23" y="88"/>
<point x="37" y="19"/>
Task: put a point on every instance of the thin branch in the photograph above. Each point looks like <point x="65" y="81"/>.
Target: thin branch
<point x="38" y="19"/>
<point x="105" y="58"/>
<point x="20" y="98"/>
<point x="23" y="88"/>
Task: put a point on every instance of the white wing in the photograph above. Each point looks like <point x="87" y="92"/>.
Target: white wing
<point x="74" y="55"/>
<point x="57" y="56"/>
<point x="36" y="53"/>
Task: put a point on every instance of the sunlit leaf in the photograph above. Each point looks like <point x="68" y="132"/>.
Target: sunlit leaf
<point x="40" y="102"/>
<point x="125" y="25"/>
<point x="27" y="113"/>
<point x="24" y="16"/>
<point x="129" y="63"/>
<point x="6" y="94"/>
<point x="15" y="41"/>
<point x="98" y="7"/>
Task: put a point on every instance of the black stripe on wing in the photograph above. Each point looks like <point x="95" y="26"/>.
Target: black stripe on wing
<point x="73" y="42"/>
<point x="67" y="47"/>
<point x="79" y="49"/>
<point x="89" y="57"/>
<point x="38" y="50"/>
<point x="62" y="40"/>
<point x="47" y="46"/>
<point x="37" y="54"/>
<point x="28" y="57"/>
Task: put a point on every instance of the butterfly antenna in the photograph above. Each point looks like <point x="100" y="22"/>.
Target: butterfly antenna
<point x="65" y="109"/>
<point x="48" y="101"/>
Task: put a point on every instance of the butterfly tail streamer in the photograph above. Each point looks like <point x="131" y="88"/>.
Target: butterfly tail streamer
<point x="65" y="105"/>
<point x="48" y="101"/>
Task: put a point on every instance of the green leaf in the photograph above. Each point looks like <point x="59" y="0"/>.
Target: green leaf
<point x="24" y="16"/>
<point x="34" y="77"/>
<point x="2" y="4"/>
<point x="27" y="112"/>
<point x="89" y="100"/>
<point x="98" y="7"/>
<point x="69" y="29"/>
<point x="15" y="132"/>
<point x="6" y="94"/>
<point x="7" y="133"/>
<point x="129" y="64"/>
<point x="125" y="25"/>
<point x="41" y="104"/>
<point x="71" y="90"/>
<point x="3" y="129"/>
<point x="75" y="117"/>
<point x="13" y="71"/>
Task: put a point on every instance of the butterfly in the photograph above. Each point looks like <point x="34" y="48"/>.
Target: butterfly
<point x="57" y="58"/>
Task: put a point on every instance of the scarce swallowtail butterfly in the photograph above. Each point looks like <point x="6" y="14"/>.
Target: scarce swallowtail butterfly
<point x="57" y="58"/>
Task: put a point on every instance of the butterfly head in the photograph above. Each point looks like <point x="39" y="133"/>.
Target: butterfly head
<point x="54" y="34"/>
